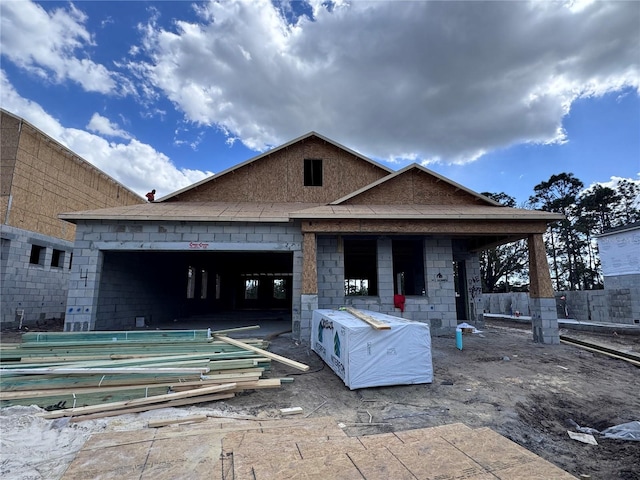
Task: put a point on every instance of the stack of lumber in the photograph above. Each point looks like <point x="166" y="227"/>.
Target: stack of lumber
<point x="91" y="374"/>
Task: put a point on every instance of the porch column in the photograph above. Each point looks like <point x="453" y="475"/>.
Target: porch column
<point x="309" y="296"/>
<point x="542" y="302"/>
<point x="309" y="265"/>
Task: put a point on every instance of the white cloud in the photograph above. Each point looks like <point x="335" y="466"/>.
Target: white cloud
<point x="136" y="165"/>
<point x="53" y="45"/>
<point x="446" y="80"/>
<point x="104" y="126"/>
<point x="612" y="183"/>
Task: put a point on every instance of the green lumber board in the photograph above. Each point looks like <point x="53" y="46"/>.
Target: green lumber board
<point x="212" y="344"/>
<point x="92" y="396"/>
<point x="249" y="375"/>
<point x="111" y="349"/>
<point x="156" y="360"/>
<point x="30" y="382"/>
<point x="119" y="335"/>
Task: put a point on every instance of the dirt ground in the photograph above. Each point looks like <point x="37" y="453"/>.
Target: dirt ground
<point x="528" y="392"/>
<point x="501" y="379"/>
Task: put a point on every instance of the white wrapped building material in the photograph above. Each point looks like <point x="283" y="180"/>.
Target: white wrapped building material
<point x="365" y="357"/>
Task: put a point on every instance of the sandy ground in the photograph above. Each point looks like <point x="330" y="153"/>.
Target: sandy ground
<point x="528" y="392"/>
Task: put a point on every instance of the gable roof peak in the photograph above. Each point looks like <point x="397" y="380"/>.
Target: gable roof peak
<point x="418" y="167"/>
<point x="272" y="151"/>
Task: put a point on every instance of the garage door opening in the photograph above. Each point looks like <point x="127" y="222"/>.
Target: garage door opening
<point x="197" y="289"/>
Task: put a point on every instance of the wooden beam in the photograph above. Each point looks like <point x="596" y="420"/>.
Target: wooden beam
<point x="595" y="349"/>
<point x="70" y="412"/>
<point x="426" y="227"/>
<point x="273" y="356"/>
<point x="309" y="264"/>
<point x="377" y="324"/>
<point x="175" y="403"/>
<point x="239" y="378"/>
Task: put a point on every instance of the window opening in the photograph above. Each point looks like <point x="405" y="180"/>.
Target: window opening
<point x="70" y="259"/>
<point x="279" y="289"/>
<point x="356" y="286"/>
<point x="37" y="255"/>
<point x="312" y="172"/>
<point x="57" y="258"/>
<point x="360" y="267"/>
<point x="408" y="266"/>
<point x="251" y="289"/>
<point x="4" y="249"/>
<point x="191" y="282"/>
<point x="204" y="283"/>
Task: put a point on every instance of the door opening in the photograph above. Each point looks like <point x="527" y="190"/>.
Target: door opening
<point x="460" y="281"/>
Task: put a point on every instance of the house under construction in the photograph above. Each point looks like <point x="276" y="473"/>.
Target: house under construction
<point x="310" y="224"/>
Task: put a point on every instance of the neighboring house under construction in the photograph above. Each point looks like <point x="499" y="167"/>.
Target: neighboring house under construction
<point x="40" y="179"/>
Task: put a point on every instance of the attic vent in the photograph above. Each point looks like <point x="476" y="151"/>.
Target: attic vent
<point x="312" y="172"/>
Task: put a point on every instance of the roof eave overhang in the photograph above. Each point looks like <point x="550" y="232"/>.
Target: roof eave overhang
<point x="400" y="216"/>
<point x="168" y="218"/>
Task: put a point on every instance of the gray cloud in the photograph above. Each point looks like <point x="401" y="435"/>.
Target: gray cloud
<point x="394" y="80"/>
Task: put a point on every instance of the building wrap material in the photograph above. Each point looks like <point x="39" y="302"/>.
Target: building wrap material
<point x="366" y="357"/>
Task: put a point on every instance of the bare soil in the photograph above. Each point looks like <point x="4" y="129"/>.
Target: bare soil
<point x="528" y="392"/>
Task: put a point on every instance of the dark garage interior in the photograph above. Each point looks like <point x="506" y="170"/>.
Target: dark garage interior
<point x="176" y="289"/>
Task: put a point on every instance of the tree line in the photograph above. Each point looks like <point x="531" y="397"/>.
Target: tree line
<point x="570" y="243"/>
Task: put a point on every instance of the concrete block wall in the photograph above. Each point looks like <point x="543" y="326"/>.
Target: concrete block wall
<point x="38" y="290"/>
<point x="544" y="321"/>
<point x="298" y="306"/>
<point x="91" y="275"/>
<point x="576" y="305"/>
<point x="330" y="261"/>
<point x="440" y="306"/>
<point x="136" y="284"/>
<point x="620" y="305"/>
<point x="624" y="305"/>
<point x="506" y="304"/>
<point x="308" y="303"/>
<point x="437" y="307"/>
<point x="615" y="282"/>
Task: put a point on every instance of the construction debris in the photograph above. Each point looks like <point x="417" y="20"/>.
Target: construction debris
<point x="95" y="374"/>
<point x="291" y="411"/>
<point x="582" y="437"/>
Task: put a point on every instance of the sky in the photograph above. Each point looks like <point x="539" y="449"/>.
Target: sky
<point x="497" y="96"/>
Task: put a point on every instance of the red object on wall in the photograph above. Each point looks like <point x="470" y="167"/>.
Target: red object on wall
<point x="398" y="302"/>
